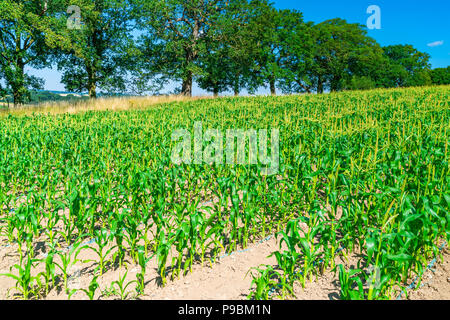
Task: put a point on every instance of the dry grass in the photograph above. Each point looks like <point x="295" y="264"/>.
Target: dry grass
<point x="114" y="104"/>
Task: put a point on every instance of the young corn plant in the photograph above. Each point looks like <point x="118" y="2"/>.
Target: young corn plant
<point x="351" y="285"/>
<point x="102" y="240"/>
<point x="25" y="282"/>
<point x="162" y="252"/>
<point x="265" y="283"/>
<point x="122" y="286"/>
<point x="68" y="258"/>
<point x="143" y="264"/>
<point x="93" y="287"/>
<point x="49" y="273"/>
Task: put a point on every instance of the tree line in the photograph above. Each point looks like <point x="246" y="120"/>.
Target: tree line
<point x="138" y="46"/>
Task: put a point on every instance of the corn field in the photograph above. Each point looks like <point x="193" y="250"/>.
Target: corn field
<point x="363" y="173"/>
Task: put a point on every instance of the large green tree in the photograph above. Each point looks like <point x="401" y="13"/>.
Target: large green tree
<point x="228" y="60"/>
<point x="329" y="56"/>
<point x="271" y="29"/>
<point x="440" y="76"/>
<point x="97" y="59"/>
<point x="215" y="67"/>
<point x="298" y="73"/>
<point x="341" y="50"/>
<point x="174" y="36"/>
<point x="29" y="30"/>
<point x="406" y="66"/>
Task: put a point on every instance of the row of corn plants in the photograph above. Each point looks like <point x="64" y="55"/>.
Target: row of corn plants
<point x="384" y="198"/>
<point x="363" y="172"/>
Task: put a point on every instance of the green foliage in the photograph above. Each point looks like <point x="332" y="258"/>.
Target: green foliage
<point x="122" y="286"/>
<point x="98" y="56"/>
<point x="332" y="55"/>
<point x="270" y="29"/>
<point x="360" y="174"/>
<point x="140" y="46"/>
<point x="29" y="30"/>
<point x="406" y="66"/>
<point x="175" y="34"/>
<point x="440" y="76"/>
<point x="359" y="83"/>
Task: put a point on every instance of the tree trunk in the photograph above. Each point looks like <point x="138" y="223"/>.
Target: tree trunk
<point x="92" y="91"/>
<point x="216" y="92"/>
<point x="92" y="88"/>
<point x="304" y="87"/>
<point x="335" y="84"/>
<point x="94" y="64"/>
<point x="236" y="85"/>
<point x="272" y="87"/>
<point x="186" y="87"/>
<point x="191" y="56"/>
<point x="17" y="98"/>
<point x="19" y="86"/>
<point x="319" y="85"/>
<point x="92" y="85"/>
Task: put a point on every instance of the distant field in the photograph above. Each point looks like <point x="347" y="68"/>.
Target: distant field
<point x="111" y="104"/>
<point x="89" y="195"/>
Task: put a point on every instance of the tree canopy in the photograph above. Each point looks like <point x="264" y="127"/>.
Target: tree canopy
<point x="222" y="45"/>
<point x="97" y="56"/>
<point x="28" y="31"/>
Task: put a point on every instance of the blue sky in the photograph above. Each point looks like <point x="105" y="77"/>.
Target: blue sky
<point x="402" y="21"/>
<point x="423" y="24"/>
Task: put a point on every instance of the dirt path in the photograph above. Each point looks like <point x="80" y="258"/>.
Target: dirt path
<point x="436" y="281"/>
<point x="227" y="279"/>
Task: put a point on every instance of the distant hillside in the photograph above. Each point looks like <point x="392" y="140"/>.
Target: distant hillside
<point x="47" y="96"/>
<point x="65" y="93"/>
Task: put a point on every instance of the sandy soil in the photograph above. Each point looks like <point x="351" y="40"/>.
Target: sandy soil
<point x="436" y="281"/>
<point x="226" y="279"/>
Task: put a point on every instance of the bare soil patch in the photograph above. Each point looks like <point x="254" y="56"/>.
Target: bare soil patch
<point x="228" y="278"/>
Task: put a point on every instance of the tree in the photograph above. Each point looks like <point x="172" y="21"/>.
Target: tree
<point x="297" y="50"/>
<point x="359" y="83"/>
<point x="214" y="62"/>
<point x="28" y="31"/>
<point x="270" y="29"/>
<point x="406" y="66"/>
<point x="175" y="36"/>
<point x="342" y="50"/>
<point x="228" y="60"/>
<point x="96" y="59"/>
<point x="330" y="55"/>
<point x="440" y="76"/>
<point x="215" y="68"/>
<point x="3" y="89"/>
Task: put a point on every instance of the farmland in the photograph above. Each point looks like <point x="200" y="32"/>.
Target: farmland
<point x="91" y="205"/>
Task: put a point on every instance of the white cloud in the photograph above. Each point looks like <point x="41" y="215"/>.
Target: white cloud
<point x="436" y="43"/>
